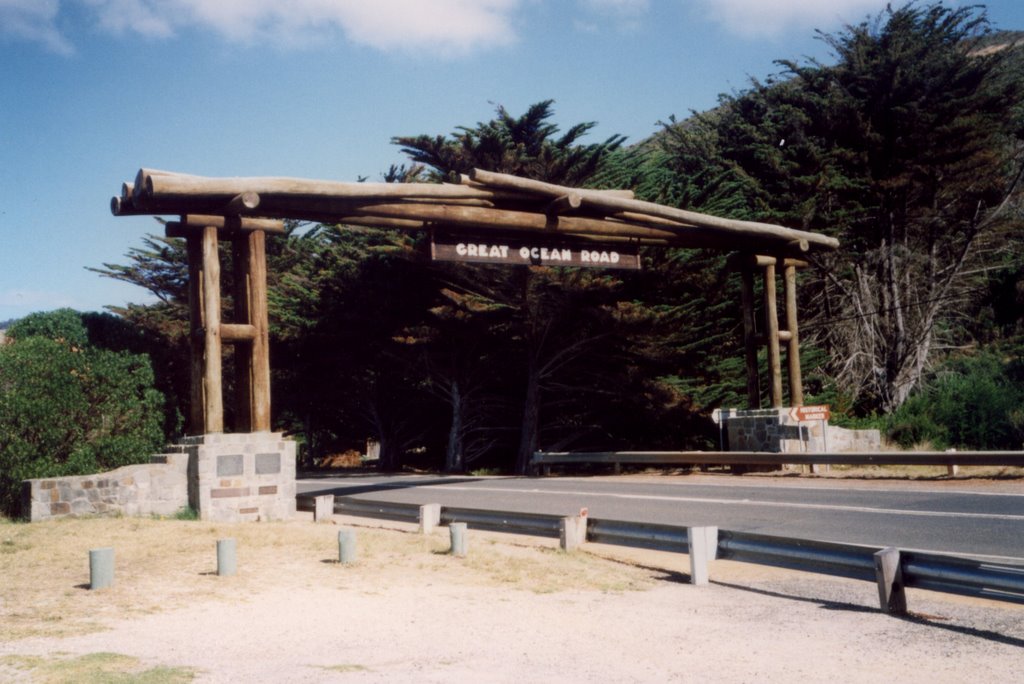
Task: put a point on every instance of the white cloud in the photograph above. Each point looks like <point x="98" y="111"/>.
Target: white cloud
<point x="619" y="7"/>
<point x="626" y="15"/>
<point x="447" y="26"/>
<point x="33" y="20"/>
<point x="761" y="18"/>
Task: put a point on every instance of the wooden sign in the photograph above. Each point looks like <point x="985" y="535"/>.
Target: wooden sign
<point x="807" y="413"/>
<point x="527" y="249"/>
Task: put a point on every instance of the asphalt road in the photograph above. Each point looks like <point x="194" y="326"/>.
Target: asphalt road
<point x="944" y="519"/>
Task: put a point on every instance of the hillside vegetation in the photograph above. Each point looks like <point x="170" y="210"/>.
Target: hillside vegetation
<point x="907" y="146"/>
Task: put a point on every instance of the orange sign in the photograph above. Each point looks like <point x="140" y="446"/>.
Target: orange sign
<point x="806" y="413"/>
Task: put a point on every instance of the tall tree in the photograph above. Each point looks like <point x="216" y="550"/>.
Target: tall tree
<point x="909" y="150"/>
<point x="527" y="146"/>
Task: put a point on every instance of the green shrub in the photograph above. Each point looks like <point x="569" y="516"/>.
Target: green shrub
<point x="64" y="325"/>
<point x="972" y="402"/>
<point x="67" y="408"/>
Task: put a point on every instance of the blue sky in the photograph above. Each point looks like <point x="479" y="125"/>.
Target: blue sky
<point x="92" y="90"/>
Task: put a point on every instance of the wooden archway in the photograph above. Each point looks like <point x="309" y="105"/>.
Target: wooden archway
<point x="243" y="211"/>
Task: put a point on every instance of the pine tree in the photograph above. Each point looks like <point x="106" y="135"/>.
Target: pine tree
<point x="909" y="150"/>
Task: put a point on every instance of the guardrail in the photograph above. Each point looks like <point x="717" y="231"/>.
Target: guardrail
<point x="504" y="521"/>
<point x="638" y="535"/>
<point x="827" y="558"/>
<point x="939" y="458"/>
<point x="890" y="568"/>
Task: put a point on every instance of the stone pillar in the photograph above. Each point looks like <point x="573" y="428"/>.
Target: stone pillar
<point x="241" y="477"/>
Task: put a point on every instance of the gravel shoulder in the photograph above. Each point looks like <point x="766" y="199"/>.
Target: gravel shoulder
<point x="515" y="610"/>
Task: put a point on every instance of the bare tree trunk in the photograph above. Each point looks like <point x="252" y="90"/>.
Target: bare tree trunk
<point x="454" y="461"/>
<point x="389" y="453"/>
<point x="531" y="418"/>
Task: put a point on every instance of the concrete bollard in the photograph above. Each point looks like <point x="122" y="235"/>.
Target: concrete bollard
<point x="892" y="597"/>
<point x="101" y="568"/>
<point x="572" y="531"/>
<point x="346" y="546"/>
<point x="459" y="542"/>
<point x="430" y="518"/>
<point x="702" y="544"/>
<point x="227" y="563"/>
<point x="323" y="507"/>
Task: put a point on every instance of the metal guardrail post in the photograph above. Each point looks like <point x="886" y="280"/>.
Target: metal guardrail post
<point x="323" y="507"/>
<point x="573" y="531"/>
<point x="891" y="596"/>
<point x="702" y="544"/>
<point x="430" y="518"/>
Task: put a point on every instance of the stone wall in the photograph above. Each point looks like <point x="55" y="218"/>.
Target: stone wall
<point x="223" y="477"/>
<point x="841" y="440"/>
<point x="771" y="430"/>
<point x="776" y="431"/>
<point x="159" y="488"/>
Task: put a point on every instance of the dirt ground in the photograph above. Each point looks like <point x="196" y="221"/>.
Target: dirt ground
<point x="515" y="610"/>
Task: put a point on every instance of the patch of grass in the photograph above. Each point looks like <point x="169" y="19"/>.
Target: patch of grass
<point x="96" y="668"/>
<point x="547" y="570"/>
<point x="916" y="472"/>
<point x="484" y="472"/>
<point x="186" y="513"/>
<point x="345" y="668"/>
<point x="163" y="564"/>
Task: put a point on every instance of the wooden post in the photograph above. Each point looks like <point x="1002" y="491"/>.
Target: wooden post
<point x="772" y="329"/>
<point x="796" y="383"/>
<point x="259" y="318"/>
<point x="749" y="338"/>
<point x="252" y="360"/>
<point x="197" y="403"/>
<point x="242" y="347"/>
<point x="212" y="393"/>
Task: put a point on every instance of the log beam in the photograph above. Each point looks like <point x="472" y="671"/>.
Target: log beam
<point x="193" y="222"/>
<point x="244" y="202"/>
<point x="782" y="336"/>
<point x="615" y="204"/>
<point x="237" y="332"/>
<point x="564" y="204"/>
<point x="600" y="212"/>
